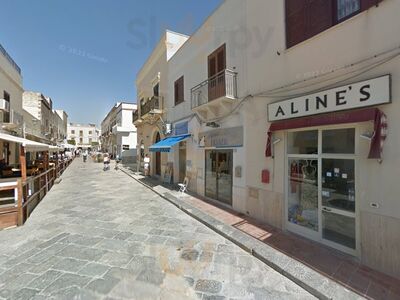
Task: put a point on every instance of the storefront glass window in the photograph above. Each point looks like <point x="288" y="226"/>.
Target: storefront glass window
<point x="338" y="141"/>
<point x="339" y="229"/>
<point x="303" y="142"/>
<point x="303" y="193"/>
<point x="338" y="188"/>
<point x="321" y="190"/>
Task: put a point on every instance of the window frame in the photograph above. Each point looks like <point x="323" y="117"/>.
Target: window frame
<point x="335" y="7"/>
<point x="293" y="37"/>
<point x="179" y="90"/>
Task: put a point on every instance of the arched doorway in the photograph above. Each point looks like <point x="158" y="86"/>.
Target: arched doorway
<point x="158" y="157"/>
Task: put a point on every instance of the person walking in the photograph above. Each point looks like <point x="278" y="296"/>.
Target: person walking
<point x="85" y="155"/>
<point x="146" y="165"/>
<point x="106" y="161"/>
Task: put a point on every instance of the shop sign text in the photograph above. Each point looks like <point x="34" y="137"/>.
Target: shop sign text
<point x="362" y="94"/>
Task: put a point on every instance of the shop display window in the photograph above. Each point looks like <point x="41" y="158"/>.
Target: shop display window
<point x="338" y="141"/>
<point x="303" y="142"/>
<point x="321" y="188"/>
<point x="303" y="193"/>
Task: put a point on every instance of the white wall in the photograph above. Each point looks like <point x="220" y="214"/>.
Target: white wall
<point x="254" y="33"/>
<point x="11" y="82"/>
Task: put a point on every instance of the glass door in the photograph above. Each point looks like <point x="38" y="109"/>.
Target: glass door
<point x="321" y="188"/>
<point x="224" y="176"/>
<point x="219" y="165"/>
<point x="338" y="192"/>
<point x="211" y="174"/>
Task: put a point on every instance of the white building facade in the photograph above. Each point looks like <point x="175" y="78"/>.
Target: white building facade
<point x="11" y="114"/>
<point x="152" y="89"/>
<point x="85" y="136"/>
<point x="265" y="104"/>
<point x="119" y="135"/>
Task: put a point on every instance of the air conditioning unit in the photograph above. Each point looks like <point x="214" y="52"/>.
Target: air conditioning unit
<point x="4" y="105"/>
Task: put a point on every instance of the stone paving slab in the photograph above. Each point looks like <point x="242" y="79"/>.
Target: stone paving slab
<point x="312" y="281"/>
<point x="101" y="235"/>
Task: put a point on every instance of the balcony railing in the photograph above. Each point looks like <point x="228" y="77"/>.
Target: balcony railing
<point x="153" y="103"/>
<point x="223" y="84"/>
<point x="135" y="116"/>
<point x="10" y="60"/>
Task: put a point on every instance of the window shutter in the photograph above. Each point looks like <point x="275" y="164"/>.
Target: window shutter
<point x="367" y="4"/>
<point x="176" y="92"/>
<point x="296" y="22"/>
<point x="319" y="16"/>
<point x="181" y="90"/>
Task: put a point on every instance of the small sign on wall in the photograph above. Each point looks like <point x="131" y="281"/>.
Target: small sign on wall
<point x="265" y="176"/>
<point x="238" y="171"/>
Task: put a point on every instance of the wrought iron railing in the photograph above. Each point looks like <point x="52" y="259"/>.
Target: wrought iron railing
<point x="135" y="116"/>
<point x="10" y="60"/>
<point x="152" y="103"/>
<point x="223" y="84"/>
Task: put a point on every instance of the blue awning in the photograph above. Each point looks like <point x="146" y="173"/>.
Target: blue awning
<point x="166" y="144"/>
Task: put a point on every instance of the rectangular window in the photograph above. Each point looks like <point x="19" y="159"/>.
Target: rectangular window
<point x="72" y="131"/>
<point x="307" y="18"/>
<point x="90" y="132"/>
<point x="156" y="90"/>
<point x="90" y="141"/>
<point x="81" y="140"/>
<point x="347" y="8"/>
<point x="179" y="91"/>
<point x="6" y="114"/>
<point x="303" y="142"/>
<point x="340" y="141"/>
<point x="81" y="133"/>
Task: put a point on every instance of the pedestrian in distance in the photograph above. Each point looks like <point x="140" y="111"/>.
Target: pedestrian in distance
<point x="146" y="165"/>
<point x="85" y="155"/>
<point x="106" y="161"/>
<point x="117" y="161"/>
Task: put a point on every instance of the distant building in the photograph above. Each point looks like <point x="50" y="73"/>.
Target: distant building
<point x="85" y="136"/>
<point x="11" y="119"/>
<point x="119" y="135"/>
<point x="42" y="123"/>
<point x="62" y="124"/>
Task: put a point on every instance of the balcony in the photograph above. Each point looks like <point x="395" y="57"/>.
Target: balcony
<point x="135" y="116"/>
<point x="118" y="128"/>
<point x="151" y="107"/>
<point x="215" y="96"/>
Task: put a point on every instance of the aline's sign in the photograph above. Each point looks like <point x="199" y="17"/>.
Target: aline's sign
<point x="366" y="93"/>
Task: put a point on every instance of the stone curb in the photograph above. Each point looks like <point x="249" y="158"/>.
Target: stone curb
<point x="304" y="276"/>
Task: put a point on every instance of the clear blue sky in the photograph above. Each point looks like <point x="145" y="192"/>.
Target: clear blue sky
<point x="85" y="54"/>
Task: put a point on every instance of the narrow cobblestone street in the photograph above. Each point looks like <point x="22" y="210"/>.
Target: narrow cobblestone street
<point x="103" y="235"/>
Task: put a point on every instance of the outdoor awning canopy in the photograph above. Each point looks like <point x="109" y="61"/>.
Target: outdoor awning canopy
<point x="166" y="144"/>
<point x="55" y="148"/>
<point x="363" y="115"/>
<point x="68" y="146"/>
<point x="27" y="144"/>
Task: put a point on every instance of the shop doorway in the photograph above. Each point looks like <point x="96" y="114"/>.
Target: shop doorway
<point x="219" y="175"/>
<point x="182" y="161"/>
<point x="321" y="186"/>
<point x="158" y="157"/>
